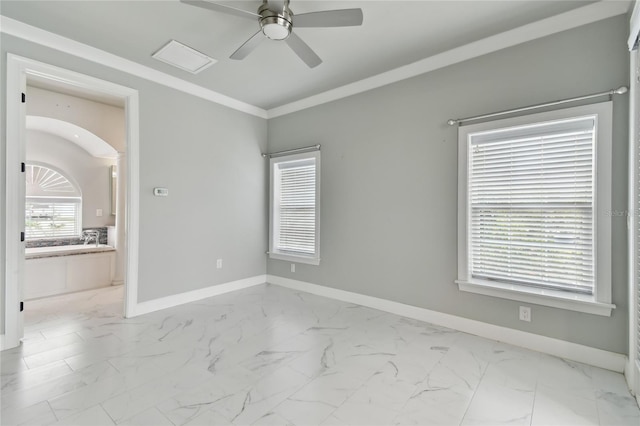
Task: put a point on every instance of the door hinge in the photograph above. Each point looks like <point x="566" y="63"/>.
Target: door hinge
<point x="22" y="236"/>
<point x="21" y="306"/>
<point x="23" y="167"/>
<point x="24" y="98"/>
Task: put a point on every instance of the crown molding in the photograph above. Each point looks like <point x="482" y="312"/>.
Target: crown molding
<point x="575" y="18"/>
<point x="63" y="44"/>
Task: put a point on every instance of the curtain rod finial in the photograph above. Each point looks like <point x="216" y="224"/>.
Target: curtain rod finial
<point x="452" y="122"/>
<point x="621" y="90"/>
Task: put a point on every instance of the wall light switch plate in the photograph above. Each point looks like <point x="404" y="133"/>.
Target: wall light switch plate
<point x="219" y="264"/>
<point x="161" y="192"/>
<point x="99" y="212"/>
<point x="293" y="267"/>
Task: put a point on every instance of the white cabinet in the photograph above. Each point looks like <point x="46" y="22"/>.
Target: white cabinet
<point x="64" y="274"/>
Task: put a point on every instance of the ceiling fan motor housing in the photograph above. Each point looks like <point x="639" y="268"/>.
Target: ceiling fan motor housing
<point x="275" y="26"/>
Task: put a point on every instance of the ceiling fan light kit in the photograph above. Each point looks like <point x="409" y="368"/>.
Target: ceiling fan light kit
<point x="275" y="26"/>
<point x="278" y="25"/>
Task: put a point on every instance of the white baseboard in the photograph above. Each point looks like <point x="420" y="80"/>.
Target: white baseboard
<point x="631" y="373"/>
<point x="195" y="295"/>
<point x="560" y="348"/>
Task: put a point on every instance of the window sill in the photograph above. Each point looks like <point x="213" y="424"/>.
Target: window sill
<point x="294" y="259"/>
<point x="555" y="299"/>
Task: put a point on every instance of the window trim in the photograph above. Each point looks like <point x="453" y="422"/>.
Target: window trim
<point x="600" y="302"/>
<point x="286" y="256"/>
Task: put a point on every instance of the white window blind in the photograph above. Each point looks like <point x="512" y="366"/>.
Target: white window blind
<point x="53" y="204"/>
<point x="294" y="215"/>
<point x="52" y="218"/>
<point x="531" y="205"/>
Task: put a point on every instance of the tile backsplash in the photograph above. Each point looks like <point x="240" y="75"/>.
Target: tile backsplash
<point x="52" y="242"/>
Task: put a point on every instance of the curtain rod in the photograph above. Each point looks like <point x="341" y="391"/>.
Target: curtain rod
<point x="290" y="151"/>
<point x="619" y="91"/>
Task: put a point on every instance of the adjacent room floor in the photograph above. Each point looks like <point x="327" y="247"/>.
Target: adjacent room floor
<point x="270" y="355"/>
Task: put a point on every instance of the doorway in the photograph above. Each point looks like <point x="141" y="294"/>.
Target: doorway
<point x="19" y="71"/>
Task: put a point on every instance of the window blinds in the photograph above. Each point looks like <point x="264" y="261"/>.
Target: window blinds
<point x="531" y="201"/>
<point x="295" y="199"/>
<point x="52" y="218"/>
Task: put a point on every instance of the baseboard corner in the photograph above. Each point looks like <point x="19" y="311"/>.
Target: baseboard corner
<point x="154" y="305"/>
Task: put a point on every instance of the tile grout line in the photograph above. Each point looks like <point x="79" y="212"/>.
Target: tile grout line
<point x="107" y="413"/>
<point x="535" y="392"/>
<point x="475" y="390"/>
<point x="52" y="410"/>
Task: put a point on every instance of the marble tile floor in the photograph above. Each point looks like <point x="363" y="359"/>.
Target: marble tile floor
<point x="273" y="356"/>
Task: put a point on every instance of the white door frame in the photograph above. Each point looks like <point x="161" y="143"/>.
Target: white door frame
<point x="632" y="369"/>
<point x="18" y="68"/>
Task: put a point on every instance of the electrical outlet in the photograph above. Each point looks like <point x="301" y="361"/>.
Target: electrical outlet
<point x="293" y="267"/>
<point x="525" y="313"/>
<point x="98" y="212"/>
<point x="219" y="263"/>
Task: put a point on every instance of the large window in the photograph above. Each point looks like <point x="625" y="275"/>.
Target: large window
<point x="295" y="206"/>
<point x="53" y="204"/>
<point x="534" y="195"/>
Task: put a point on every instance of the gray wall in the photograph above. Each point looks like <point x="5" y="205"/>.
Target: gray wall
<point x="209" y="158"/>
<point x="92" y="174"/>
<point x="389" y="177"/>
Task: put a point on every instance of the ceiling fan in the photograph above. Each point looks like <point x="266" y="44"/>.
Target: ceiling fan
<point x="279" y="24"/>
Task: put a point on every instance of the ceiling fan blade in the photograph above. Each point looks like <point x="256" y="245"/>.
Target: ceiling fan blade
<point x="303" y="51"/>
<point x="329" y="18"/>
<point x="221" y="8"/>
<point x="248" y="46"/>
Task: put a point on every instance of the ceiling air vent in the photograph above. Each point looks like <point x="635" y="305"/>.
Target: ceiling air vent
<point x="183" y="57"/>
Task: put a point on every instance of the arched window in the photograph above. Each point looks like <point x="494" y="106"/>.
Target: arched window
<point x="53" y="204"/>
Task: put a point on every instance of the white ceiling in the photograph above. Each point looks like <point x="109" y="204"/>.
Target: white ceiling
<point x="394" y="33"/>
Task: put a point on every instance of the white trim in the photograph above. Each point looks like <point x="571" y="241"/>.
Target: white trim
<point x="634" y="27"/>
<point x="556" y="347"/>
<point x="195" y="295"/>
<point x="575" y="18"/>
<point x="17" y="69"/>
<point x="132" y="204"/>
<point x="54" y="41"/>
<point x="555" y="299"/>
<point x="294" y="258"/>
<point x="15" y="187"/>
<point x="632" y="370"/>
<point x="2" y="348"/>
